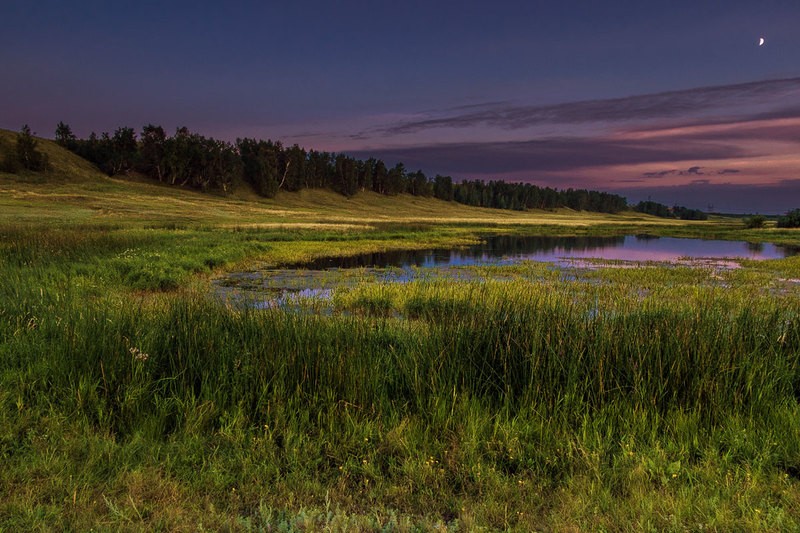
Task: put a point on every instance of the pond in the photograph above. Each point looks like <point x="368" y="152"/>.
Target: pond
<point x="561" y="250"/>
<point x="318" y="278"/>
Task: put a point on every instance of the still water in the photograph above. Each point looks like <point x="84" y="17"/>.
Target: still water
<point x="562" y="250"/>
<point x="317" y="279"/>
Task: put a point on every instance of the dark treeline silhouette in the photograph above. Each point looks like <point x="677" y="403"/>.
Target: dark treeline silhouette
<point x="192" y="160"/>
<point x="677" y="211"/>
<point x="790" y="220"/>
<point x="503" y="195"/>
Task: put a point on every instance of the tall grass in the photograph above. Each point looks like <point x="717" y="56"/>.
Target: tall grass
<point x="505" y="404"/>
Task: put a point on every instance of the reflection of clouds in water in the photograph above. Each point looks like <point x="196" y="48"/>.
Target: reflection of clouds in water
<point x="631" y="248"/>
<point x="292" y="288"/>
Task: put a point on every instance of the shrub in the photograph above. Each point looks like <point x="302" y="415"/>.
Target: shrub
<point x="790" y="220"/>
<point x="9" y="164"/>
<point x="755" y="221"/>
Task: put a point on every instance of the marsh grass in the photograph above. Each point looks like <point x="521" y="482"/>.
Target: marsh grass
<point x="527" y="402"/>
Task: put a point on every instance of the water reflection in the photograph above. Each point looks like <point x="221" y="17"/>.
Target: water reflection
<point x="509" y="249"/>
<point x="290" y="287"/>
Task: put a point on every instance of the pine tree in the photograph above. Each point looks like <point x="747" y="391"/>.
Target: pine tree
<point x="27" y="155"/>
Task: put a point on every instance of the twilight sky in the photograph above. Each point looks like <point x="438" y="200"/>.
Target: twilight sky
<point x="670" y="100"/>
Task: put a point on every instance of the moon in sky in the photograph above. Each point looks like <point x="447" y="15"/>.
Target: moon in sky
<point x="761" y="41"/>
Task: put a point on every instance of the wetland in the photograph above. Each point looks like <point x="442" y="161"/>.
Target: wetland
<point x="319" y="278"/>
<point x="501" y="387"/>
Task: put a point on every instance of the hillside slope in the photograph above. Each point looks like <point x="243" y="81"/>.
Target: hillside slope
<point x="64" y="165"/>
<point x="75" y="191"/>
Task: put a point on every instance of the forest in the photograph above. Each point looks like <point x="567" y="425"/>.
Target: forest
<point x="192" y="160"/>
<point x="660" y="210"/>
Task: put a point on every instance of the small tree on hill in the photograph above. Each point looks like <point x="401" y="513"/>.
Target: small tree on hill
<point x="27" y="155"/>
<point x="65" y="137"/>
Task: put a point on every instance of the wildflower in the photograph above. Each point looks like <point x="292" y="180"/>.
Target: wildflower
<point x="138" y="355"/>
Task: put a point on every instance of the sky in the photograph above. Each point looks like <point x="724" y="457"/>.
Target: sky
<point x="673" y="101"/>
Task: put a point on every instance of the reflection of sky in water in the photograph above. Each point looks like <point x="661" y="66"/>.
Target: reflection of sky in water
<point x="667" y="249"/>
<point x="507" y="250"/>
<point x="289" y="287"/>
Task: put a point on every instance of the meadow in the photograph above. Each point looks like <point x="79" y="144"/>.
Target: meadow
<point x="657" y="398"/>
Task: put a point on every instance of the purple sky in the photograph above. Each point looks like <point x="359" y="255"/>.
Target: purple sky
<point x="674" y="101"/>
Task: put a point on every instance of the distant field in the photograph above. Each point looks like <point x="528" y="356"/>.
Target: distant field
<point x="655" y="398"/>
<point x="135" y="202"/>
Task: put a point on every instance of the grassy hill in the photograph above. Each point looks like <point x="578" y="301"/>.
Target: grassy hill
<point x="66" y="167"/>
<point x="74" y="190"/>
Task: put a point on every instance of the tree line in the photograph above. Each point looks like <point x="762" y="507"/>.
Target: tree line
<point x="503" y="195"/>
<point x="790" y="220"/>
<point x="676" y="211"/>
<point x="193" y="160"/>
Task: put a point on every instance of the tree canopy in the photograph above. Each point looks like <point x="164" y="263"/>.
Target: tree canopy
<point x="790" y="220"/>
<point x="192" y="160"/>
<point x="677" y="211"/>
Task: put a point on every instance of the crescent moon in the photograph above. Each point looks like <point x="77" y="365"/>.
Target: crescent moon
<point x="761" y="41"/>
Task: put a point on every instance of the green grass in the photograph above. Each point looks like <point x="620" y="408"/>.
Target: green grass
<point x="658" y="398"/>
<point x="618" y="407"/>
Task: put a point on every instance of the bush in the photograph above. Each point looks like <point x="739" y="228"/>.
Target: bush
<point x="755" y="222"/>
<point x="790" y="220"/>
<point x="9" y="164"/>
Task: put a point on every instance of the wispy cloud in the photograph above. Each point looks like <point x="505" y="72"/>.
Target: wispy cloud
<point x="693" y="170"/>
<point x="555" y="154"/>
<point x="696" y="170"/>
<point x="658" y="174"/>
<point x="663" y="105"/>
<point x="783" y="129"/>
<point x="703" y="138"/>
